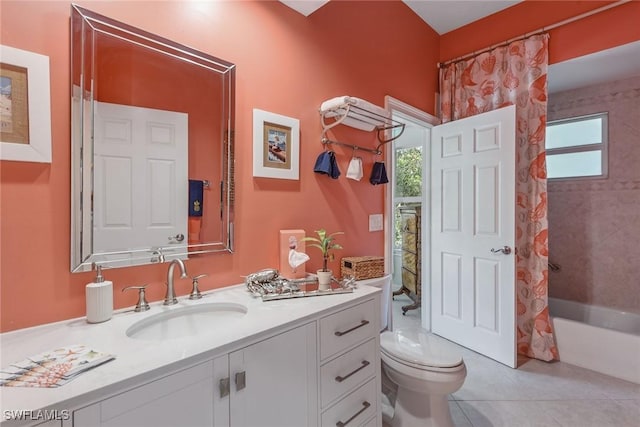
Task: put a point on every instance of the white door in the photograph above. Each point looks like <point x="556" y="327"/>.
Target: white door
<point x="473" y="233"/>
<point x="141" y="185"/>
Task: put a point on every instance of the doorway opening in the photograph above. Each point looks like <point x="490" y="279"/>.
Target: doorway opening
<point x="407" y="209"/>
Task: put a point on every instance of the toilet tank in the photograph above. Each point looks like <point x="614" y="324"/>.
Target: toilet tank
<point x="383" y="283"/>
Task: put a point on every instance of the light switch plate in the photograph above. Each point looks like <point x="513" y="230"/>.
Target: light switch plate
<point x="375" y="222"/>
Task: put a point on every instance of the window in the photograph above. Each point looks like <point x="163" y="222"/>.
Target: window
<point x="577" y="147"/>
<point x="407" y="168"/>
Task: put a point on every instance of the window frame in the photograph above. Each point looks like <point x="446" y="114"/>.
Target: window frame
<point x="602" y="146"/>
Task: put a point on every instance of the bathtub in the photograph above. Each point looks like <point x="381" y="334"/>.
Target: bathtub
<point x="597" y="338"/>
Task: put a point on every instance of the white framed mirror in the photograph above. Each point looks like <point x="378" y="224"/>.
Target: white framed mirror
<point x="152" y="147"/>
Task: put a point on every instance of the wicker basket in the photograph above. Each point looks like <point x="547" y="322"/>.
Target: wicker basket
<point x="362" y="267"/>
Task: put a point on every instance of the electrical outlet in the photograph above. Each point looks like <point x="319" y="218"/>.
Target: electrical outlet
<point x="375" y="222"/>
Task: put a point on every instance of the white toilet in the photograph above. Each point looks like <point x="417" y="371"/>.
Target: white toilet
<point x="424" y="372"/>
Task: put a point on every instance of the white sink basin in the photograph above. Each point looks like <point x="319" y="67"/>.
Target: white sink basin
<point x="186" y="321"/>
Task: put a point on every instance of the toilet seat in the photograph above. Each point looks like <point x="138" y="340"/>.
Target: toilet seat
<point x="416" y="349"/>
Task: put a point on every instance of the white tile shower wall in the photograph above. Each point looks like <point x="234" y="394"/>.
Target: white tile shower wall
<point x="594" y="225"/>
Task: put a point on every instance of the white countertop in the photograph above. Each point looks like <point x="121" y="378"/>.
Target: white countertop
<point x="138" y="360"/>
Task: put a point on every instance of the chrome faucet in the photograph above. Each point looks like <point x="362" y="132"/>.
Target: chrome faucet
<point x="170" y="297"/>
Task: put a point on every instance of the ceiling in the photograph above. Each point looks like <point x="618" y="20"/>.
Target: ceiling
<point x="617" y="63"/>
<point x="447" y="15"/>
<point x="441" y="15"/>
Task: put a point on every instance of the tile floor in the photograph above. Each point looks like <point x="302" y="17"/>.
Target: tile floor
<point x="536" y="394"/>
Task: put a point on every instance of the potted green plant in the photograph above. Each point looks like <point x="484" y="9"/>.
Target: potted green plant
<point x="326" y="243"/>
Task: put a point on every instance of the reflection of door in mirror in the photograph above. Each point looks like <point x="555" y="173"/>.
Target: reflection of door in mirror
<point x="165" y="88"/>
<point x="113" y="63"/>
<point x="139" y="196"/>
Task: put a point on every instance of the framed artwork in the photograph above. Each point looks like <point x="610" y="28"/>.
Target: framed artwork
<point x="25" y="106"/>
<point x="276" y="146"/>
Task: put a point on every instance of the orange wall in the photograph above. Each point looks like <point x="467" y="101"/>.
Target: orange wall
<point x="287" y="64"/>
<point x="614" y="27"/>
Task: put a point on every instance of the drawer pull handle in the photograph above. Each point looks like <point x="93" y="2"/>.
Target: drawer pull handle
<point x="224" y="387"/>
<point x="365" y="405"/>
<point x="365" y="363"/>
<point x="241" y="380"/>
<point x="341" y="333"/>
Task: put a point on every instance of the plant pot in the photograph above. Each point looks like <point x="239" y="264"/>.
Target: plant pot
<point x="324" y="280"/>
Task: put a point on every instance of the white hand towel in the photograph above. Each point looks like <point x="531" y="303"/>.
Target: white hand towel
<point x="354" y="171"/>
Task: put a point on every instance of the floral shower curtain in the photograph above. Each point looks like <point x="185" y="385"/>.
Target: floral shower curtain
<point x="516" y="74"/>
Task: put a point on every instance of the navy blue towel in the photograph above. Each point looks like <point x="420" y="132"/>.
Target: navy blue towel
<point x="335" y="171"/>
<point x="323" y="163"/>
<point x="378" y="174"/>
<point x="196" y="188"/>
<point x="326" y="164"/>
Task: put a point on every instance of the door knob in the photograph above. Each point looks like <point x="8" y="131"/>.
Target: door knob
<point x="505" y="250"/>
<point x="177" y="238"/>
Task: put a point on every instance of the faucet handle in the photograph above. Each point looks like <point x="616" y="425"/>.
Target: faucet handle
<point x="158" y="256"/>
<point x="142" y="304"/>
<point x="195" y="292"/>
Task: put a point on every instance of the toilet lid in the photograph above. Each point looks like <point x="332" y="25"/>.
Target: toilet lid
<point x="416" y="347"/>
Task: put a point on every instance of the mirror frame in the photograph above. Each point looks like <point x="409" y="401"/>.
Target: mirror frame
<point x="85" y="26"/>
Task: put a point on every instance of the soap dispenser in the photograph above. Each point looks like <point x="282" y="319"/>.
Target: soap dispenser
<point x="99" y="295"/>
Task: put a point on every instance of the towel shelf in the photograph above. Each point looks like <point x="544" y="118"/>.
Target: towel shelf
<point x="360" y="114"/>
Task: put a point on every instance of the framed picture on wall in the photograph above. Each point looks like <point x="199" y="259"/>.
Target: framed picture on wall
<point x="276" y="146"/>
<point x="25" y="106"/>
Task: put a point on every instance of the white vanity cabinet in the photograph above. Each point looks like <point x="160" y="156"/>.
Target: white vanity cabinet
<point x="308" y="362"/>
<point x="274" y="382"/>
<point x="350" y="366"/>
<point x="269" y="383"/>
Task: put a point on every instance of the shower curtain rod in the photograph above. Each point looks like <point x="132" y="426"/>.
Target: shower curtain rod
<point x="538" y="31"/>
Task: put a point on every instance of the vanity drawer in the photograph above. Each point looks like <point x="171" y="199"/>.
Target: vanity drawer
<point x="354" y="409"/>
<point x="347" y="371"/>
<point x="347" y="327"/>
<point x="373" y="422"/>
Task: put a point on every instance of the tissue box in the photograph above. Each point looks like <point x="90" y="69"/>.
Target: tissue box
<point x="362" y="267"/>
<point x="291" y="240"/>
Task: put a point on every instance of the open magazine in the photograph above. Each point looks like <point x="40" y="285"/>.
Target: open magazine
<point x="52" y="368"/>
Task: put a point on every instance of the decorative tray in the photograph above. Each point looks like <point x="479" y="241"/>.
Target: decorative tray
<point x="268" y="285"/>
